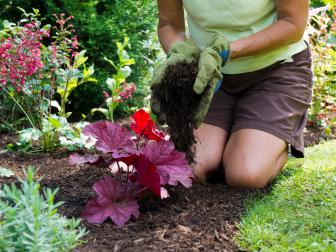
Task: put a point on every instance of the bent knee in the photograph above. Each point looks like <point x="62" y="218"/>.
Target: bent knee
<point x="247" y="176"/>
<point x="246" y="180"/>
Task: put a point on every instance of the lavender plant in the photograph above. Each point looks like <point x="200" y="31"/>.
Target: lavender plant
<point x="29" y="220"/>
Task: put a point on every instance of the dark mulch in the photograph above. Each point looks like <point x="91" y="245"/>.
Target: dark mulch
<point x="202" y="218"/>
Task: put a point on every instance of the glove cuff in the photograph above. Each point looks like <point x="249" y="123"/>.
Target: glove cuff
<point x="221" y="45"/>
<point x="186" y="48"/>
<point x="225" y="55"/>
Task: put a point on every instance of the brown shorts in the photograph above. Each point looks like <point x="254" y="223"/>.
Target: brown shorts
<point x="274" y="99"/>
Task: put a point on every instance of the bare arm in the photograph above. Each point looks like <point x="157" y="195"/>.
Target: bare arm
<point x="289" y="28"/>
<point x="171" y="27"/>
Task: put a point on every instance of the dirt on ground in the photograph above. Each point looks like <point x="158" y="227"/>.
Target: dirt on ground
<point x="203" y="218"/>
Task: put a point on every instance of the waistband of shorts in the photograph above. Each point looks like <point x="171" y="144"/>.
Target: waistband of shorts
<point x="304" y="54"/>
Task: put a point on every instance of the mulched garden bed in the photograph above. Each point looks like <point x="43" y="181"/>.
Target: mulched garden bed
<point x="202" y="218"/>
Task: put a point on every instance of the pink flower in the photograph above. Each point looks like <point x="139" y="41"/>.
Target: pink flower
<point x="128" y="90"/>
<point x="21" y="55"/>
<point x="106" y="95"/>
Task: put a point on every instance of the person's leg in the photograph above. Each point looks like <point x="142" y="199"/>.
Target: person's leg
<point x="252" y="158"/>
<point x="209" y="150"/>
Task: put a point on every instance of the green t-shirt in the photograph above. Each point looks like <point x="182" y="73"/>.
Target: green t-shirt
<point x="236" y="19"/>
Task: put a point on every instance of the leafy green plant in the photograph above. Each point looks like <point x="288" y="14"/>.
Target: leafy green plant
<point x="70" y="78"/>
<point x="109" y="22"/>
<point x="119" y="89"/>
<point x="29" y="221"/>
<point x="56" y="131"/>
<point x="67" y="62"/>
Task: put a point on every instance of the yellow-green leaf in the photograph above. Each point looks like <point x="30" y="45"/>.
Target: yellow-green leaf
<point x="80" y="59"/>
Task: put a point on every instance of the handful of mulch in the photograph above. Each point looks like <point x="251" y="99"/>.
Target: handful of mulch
<point x="179" y="103"/>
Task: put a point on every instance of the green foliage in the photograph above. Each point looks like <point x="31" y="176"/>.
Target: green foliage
<point x="85" y="97"/>
<point x="299" y="212"/>
<point x="100" y="24"/>
<point x="29" y="221"/>
<point x="322" y="31"/>
<point x="108" y="23"/>
<point x="319" y="3"/>
<point x="9" y="10"/>
<point x="70" y="78"/>
<point x="55" y="132"/>
<point x="11" y="116"/>
<point x="117" y="84"/>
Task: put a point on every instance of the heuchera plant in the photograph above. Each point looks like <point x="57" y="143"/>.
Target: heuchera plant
<point x="144" y="161"/>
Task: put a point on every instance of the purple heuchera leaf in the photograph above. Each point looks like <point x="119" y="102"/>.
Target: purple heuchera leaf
<point x="147" y="174"/>
<point x="110" y="136"/>
<point x="110" y="202"/>
<point x="171" y="164"/>
<point x="76" y="159"/>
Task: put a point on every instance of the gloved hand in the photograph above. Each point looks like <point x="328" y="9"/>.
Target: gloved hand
<point x="211" y="60"/>
<point x="180" y="51"/>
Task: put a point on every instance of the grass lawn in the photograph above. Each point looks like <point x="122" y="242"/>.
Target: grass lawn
<point x="299" y="213"/>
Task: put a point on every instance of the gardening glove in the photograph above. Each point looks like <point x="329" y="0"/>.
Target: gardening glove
<point x="180" y="51"/>
<point x="209" y="77"/>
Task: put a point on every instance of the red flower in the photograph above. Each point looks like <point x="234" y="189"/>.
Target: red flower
<point x="140" y="118"/>
<point x="144" y="125"/>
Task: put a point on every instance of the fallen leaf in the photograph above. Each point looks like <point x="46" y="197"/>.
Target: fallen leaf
<point x="184" y="229"/>
<point x="4" y="172"/>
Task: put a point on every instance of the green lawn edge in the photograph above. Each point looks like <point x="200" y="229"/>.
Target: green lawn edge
<point x="299" y="212"/>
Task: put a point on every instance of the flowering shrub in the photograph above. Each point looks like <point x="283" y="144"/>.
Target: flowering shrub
<point x="322" y="31"/>
<point x="23" y="68"/>
<point x="38" y="70"/>
<point x="31" y="73"/>
<point x="136" y="163"/>
<point x="21" y="55"/>
<point x="67" y="61"/>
